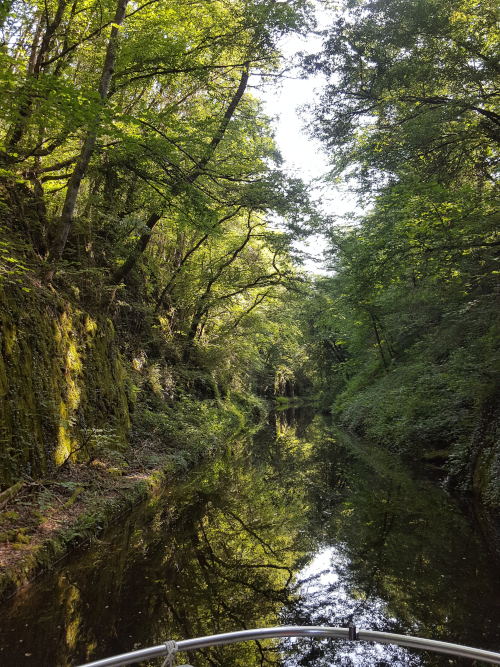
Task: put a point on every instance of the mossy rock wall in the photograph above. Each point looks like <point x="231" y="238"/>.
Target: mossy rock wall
<point x="61" y="378"/>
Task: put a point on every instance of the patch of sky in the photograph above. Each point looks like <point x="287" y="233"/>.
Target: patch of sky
<point x="303" y="156"/>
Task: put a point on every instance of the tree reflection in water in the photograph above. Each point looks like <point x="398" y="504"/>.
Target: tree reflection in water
<point x="213" y="554"/>
<point x="300" y="526"/>
<point x="394" y="554"/>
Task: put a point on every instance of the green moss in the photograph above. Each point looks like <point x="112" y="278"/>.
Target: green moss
<point x="15" y="536"/>
<point x="60" y="377"/>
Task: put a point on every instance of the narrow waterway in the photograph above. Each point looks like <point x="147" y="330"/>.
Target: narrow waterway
<point x="299" y="525"/>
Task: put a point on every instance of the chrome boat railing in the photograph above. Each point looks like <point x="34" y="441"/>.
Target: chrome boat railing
<point x="351" y="633"/>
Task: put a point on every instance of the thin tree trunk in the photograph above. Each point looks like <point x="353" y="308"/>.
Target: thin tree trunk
<point x="392" y="352"/>
<point x="193" y="249"/>
<point x="481" y="433"/>
<point x="204" y="302"/>
<point x="140" y="247"/>
<point x="129" y="264"/>
<point x="34" y="48"/>
<point x="34" y="66"/>
<point x="193" y="330"/>
<point x="219" y="135"/>
<point x="74" y="184"/>
<point x="384" y="361"/>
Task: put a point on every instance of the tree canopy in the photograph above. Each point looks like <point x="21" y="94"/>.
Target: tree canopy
<point x="407" y="329"/>
<point x="132" y="130"/>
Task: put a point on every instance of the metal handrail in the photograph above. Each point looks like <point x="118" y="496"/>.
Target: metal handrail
<point x="298" y="631"/>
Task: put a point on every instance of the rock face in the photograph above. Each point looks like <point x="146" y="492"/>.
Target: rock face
<point x="61" y="383"/>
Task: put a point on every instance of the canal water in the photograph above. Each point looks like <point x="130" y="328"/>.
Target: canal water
<point x="298" y="524"/>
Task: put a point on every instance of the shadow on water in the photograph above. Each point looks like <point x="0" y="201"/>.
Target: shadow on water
<point x="295" y="525"/>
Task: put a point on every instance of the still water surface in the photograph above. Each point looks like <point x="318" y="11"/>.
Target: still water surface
<point x="297" y="525"/>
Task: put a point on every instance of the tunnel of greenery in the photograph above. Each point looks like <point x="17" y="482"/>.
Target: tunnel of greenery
<point x="147" y="294"/>
<point x="140" y="277"/>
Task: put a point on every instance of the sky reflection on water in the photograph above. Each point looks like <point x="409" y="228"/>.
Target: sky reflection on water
<point x="324" y="595"/>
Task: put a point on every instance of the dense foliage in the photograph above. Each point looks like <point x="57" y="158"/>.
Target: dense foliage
<point x="138" y="174"/>
<point x="409" y="324"/>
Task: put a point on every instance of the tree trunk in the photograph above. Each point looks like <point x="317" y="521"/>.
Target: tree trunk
<point x="384" y="361"/>
<point x="188" y="254"/>
<point x="35" y="64"/>
<point x="34" y="48"/>
<point x="74" y="184"/>
<point x="140" y="247"/>
<point x="193" y="329"/>
<point x="129" y="264"/>
<point x="219" y="135"/>
<point x="482" y="434"/>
